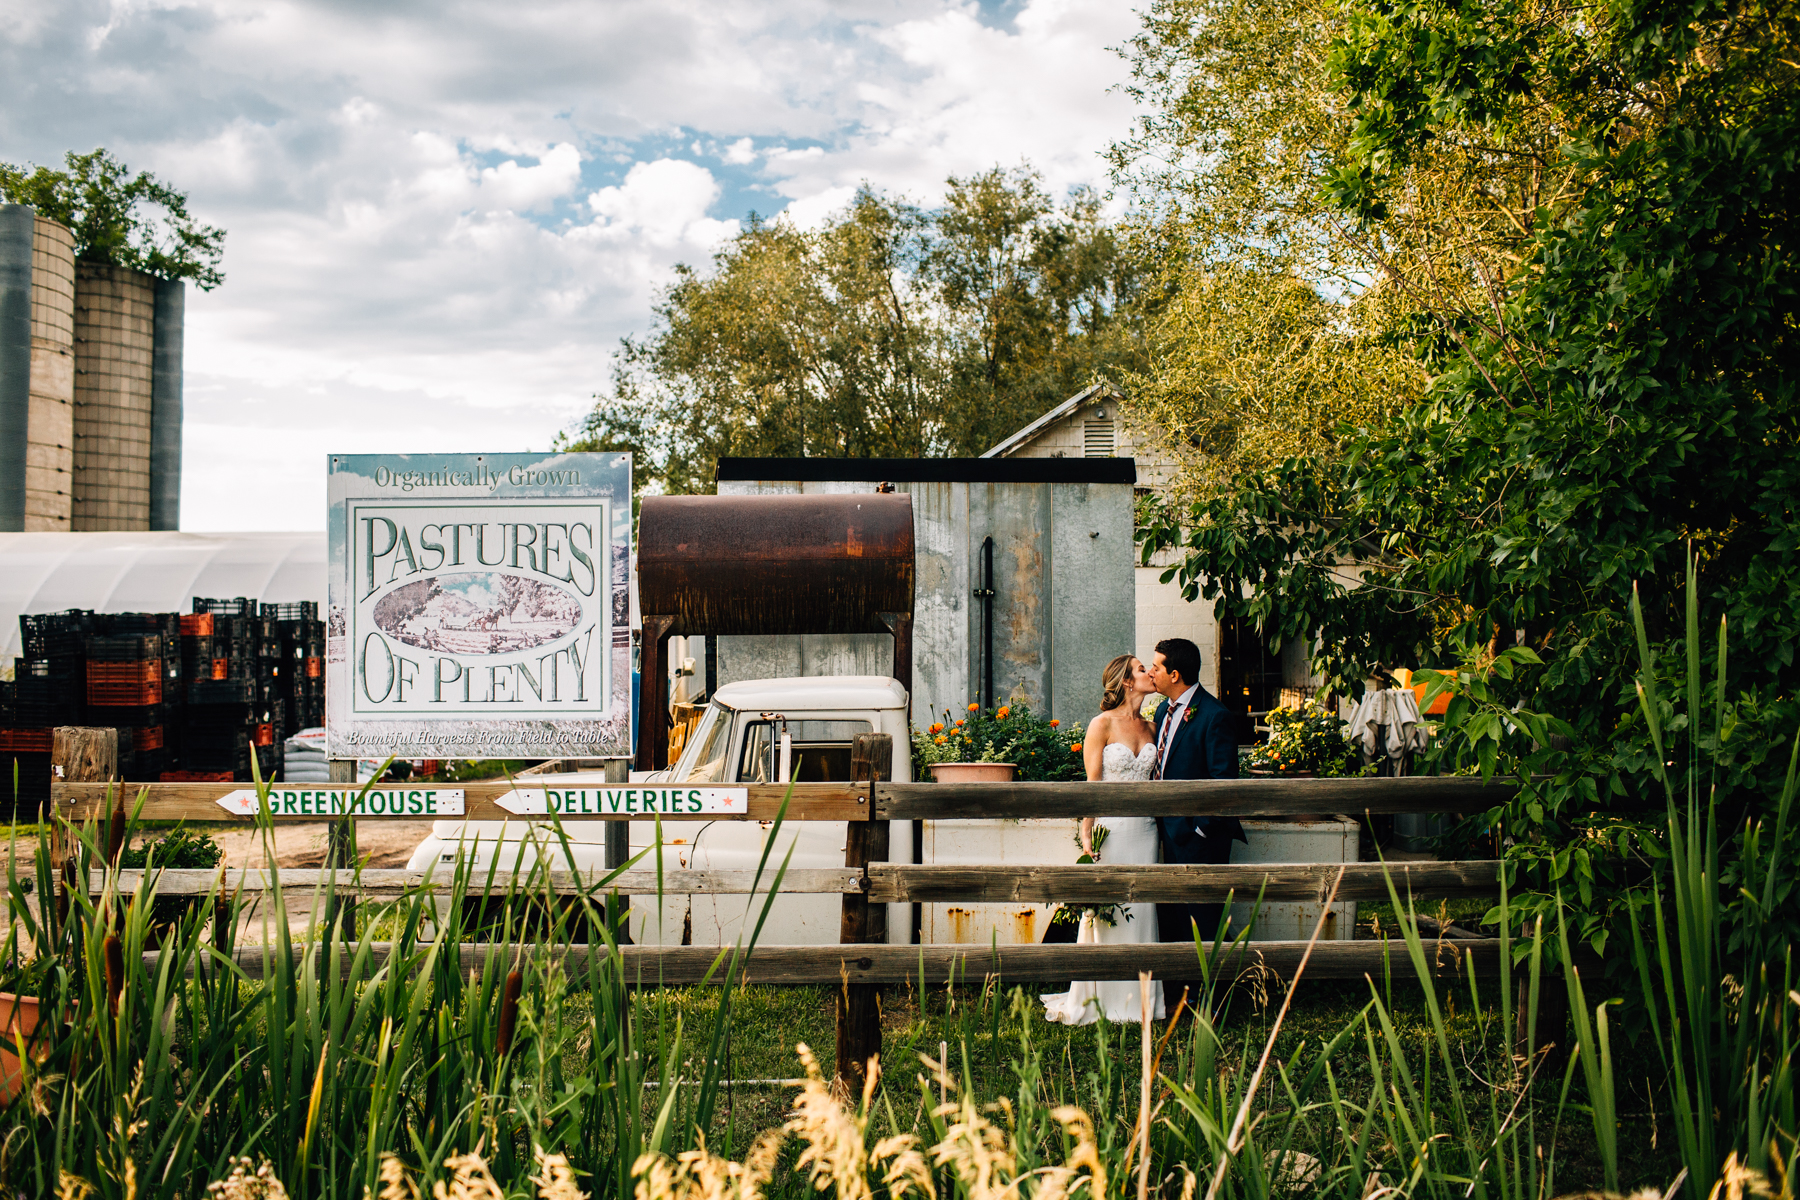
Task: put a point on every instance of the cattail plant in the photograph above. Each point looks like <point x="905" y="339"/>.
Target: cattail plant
<point x="509" y="1012"/>
<point x="114" y="952"/>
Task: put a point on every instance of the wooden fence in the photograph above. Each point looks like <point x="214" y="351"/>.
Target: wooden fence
<point x="863" y="961"/>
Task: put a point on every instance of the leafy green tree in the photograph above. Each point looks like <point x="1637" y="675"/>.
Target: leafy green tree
<point x="889" y="332"/>
<point x="1630" y="392"/>
<point x="120" y="219"/>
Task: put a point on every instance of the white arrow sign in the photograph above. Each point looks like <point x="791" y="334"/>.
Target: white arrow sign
<point x="632" y="800"/>
<point x="352" y="801"/>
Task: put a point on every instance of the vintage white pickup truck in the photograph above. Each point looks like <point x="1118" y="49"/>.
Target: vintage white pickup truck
<point x="776" y="730"/>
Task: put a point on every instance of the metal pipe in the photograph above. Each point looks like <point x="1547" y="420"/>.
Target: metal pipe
<point x="985" y="593"/>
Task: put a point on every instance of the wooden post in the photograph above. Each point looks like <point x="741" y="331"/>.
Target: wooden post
<point x="618" y="852"/>
<point x="859" y="1004"/>
<point x="79" y="754"/>
<point x="340" y="852"/>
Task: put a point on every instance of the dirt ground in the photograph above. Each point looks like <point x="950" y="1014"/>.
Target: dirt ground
<point x="378" y="843"/>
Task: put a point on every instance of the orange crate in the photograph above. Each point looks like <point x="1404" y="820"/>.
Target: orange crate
<point x="126" y="684"/>
<point x="196" y="776"/>
<point x="196" y="624"/>
<point x="148" y="739"/>
<point x="263" y="736"/>
<point x="315" y="667"/>
<point x="221" y="667"/>
<point x="26" y="741"/>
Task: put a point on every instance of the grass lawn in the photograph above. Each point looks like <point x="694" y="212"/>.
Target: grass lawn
<point x="982" y="1030"/>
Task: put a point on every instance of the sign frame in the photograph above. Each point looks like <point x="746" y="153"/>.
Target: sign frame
<point x="478" y="606"/>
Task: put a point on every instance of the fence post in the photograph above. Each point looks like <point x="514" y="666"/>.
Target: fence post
<point x="340" y="852"/>
<point x="618" y="852"/>
<point x="866" y="841"/>
<point x="79" y="754"/>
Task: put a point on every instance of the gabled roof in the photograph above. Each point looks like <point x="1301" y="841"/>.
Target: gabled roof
<point x="1048" y="419"/>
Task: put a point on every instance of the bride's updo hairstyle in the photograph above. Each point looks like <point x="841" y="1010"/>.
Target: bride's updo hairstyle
<point x="1113" y="680"/>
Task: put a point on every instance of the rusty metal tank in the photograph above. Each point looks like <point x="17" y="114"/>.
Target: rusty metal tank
<point x="775" y="564"/>
<point x="791" y="564"/>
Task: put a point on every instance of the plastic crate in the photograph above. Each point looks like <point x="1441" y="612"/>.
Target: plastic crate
<point x="124" y="684"/>
<point x="242" y="606"/>
<point x="164" y="625"/>
<point x="203" y="692"/>
<point x="33" y="794"/>
<point x="297" y="610"/>
<point x="196" y="777"/>
<point x="199" y="624"/>
<point x="47" y="635"/>
<point x="125" y="648"/>
<point x="26" y="741"/>
<point x="141" y="716"/>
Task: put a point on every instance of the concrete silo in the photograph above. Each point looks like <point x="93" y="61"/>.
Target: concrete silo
<point x="90" y="386"/>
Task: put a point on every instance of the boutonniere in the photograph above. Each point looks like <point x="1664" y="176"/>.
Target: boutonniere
<point x="1187" y="714"/>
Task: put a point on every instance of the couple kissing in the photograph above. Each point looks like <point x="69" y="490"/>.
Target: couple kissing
<point x="1191" y="736"/>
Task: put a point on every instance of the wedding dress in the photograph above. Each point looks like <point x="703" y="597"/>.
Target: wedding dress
<point x="1128" y="840"/>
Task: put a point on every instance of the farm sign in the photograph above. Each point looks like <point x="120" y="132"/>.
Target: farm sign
<point x="478" y="606"/>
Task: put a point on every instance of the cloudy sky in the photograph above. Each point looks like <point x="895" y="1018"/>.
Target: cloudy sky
<point x="443" y="215"/>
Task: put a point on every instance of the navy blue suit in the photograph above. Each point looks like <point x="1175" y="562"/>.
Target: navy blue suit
<point x="1204" y="746"/>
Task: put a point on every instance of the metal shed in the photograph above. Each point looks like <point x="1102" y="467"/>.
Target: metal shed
<point x="1062" y="603"/>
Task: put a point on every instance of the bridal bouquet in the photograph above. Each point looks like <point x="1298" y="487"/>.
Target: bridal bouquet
<point x="1104" y="914"/>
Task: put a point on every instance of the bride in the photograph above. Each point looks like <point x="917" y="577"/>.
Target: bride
<point x="1120" y="746"/>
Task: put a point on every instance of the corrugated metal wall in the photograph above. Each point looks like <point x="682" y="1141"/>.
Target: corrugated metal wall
<point x="1065" y="598"/>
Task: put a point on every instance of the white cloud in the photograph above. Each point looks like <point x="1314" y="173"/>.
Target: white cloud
<point x="442" y="218"/>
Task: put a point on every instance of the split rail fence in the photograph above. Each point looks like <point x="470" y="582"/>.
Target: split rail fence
<point x="863" y="961"/>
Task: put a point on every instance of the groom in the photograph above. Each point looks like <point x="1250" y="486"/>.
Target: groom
<point x="1195" y="739"/>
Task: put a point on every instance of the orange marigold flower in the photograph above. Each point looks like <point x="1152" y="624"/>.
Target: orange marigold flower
<point x="1075" y="749"/>
<point x="941" y="739"/>
<point x="959" y="724"/>
<point x="1054" y="722"/>
<point x="974" y="708"/>
<point x="1002" y="712"/>
<point x="937" y="727"/>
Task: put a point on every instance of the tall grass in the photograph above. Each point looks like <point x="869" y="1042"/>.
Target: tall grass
<point x="323" y="1051"/>
<point x="343" y="1066"/>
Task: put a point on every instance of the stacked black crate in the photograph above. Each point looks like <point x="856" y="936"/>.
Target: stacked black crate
<point x="298" y="672"/>
<point x="47" y="691"/>
<point x="221" y="702"/>
<point x="125" y="686"/>
<point x="50" y="680"/>
<point x="231" y="714"/>
<point x="195" y="658"/>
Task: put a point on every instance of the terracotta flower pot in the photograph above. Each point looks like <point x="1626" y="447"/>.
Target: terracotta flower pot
<point x="17" y="1014"/>
<point x="972" y="772"/>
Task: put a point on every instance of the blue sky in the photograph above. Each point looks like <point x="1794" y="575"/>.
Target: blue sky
<point x="443" y="215"/>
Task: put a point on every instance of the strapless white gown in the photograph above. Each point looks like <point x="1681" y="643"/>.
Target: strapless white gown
<point x="1128" y="840"/>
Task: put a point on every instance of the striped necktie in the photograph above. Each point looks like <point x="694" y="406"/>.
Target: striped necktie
<point x="1162" y="743"/>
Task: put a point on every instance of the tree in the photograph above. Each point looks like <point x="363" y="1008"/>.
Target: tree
<point x="1629" y="392"/>
<point x="1239" y="172"/>
<point x="889" y="332"/>
<point x="112" y="214"/>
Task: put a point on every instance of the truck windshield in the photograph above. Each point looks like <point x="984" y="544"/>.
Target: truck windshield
<point x="820" y="754"/>
<point x="706" y="762"/>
